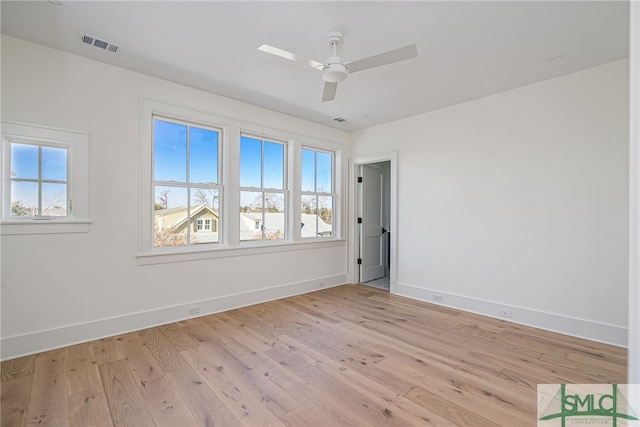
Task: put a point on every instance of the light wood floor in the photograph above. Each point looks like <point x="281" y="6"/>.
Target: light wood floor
<point x="350" y="355"/>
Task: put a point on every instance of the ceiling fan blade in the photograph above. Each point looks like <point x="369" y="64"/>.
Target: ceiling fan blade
<point x="329" y="91"/>
<point x="291" y="56"/>
<point x="396" y="55"/>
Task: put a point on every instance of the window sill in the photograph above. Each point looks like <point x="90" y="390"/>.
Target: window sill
<point x="52" y="226"/>
<point x="149" y="258"/>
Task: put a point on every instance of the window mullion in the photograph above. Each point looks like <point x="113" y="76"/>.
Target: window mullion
<point x="40" y="180"/>
<point x="262" y="228"/>
<point x="188" y="181"/>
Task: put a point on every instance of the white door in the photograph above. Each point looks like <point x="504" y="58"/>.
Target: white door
<point x="372" y="228"/>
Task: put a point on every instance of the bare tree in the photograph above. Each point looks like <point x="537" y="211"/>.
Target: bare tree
<point x="201" y="196"/>
<point x="164" y="200"/>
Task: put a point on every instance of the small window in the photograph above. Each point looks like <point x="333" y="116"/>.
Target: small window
<point x="186" y="183"/>
<point x="45" y="177"/>
<point x="262" y="189"/>
<point x="318" y="197"/>
<point x="38" y="180"/>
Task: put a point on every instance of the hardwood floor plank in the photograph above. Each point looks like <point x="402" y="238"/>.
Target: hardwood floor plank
<point x="106" y="350"/>
<point x="381" y="391"/>
<point x="87" y="401"/>
<point x="298" y="304"/>
<point x="17" y="368"/>
<point x="603" y="372"/>
<point x="302" y="417"/>
<point x="271" y="396"/>
<point x="144" y="366"/>
<point x="330" y="399"/>
<point x="225" y="328"/>
<point x="544" y="372"/>
<point x="455" y="414"/>
<point x="567" y="343"/>
<point x="14" y="401"/>
<point x="126" y="404"/>
<point x="241" y="403"/>
<point x="258" y="326"/>
<point x="161" y="348"/>
<point x="263" y="364"/>
<point x="48" y="404"/>
<point x="176" y="335"/>
<point x="205" y="406"/>
<point x="166" y="405"/>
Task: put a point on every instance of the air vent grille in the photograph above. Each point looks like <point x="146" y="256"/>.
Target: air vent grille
<point x="100" y="44"/>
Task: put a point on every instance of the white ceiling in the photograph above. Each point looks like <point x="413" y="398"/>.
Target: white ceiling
<point x="466" y="50"/>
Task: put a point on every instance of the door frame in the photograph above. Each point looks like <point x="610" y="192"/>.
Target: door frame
<point x="354" y="163"/>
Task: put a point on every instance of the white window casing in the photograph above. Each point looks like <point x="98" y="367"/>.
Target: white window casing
<point x="76" y="219"/>
<point x="230" y="216"/>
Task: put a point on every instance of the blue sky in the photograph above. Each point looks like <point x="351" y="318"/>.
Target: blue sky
<point x="25" y="165"/>
<point x="170" y="153"/>
<point x="170" y="162"/>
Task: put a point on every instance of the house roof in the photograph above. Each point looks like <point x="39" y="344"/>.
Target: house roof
<point x="195" y="210"/>
<point x="273" y="221"/>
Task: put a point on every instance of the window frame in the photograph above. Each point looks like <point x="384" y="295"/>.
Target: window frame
<point x="267" y="190"/>
<point x="232" y="129"/>
<point x="77" y="145"/>
<point x="318" y="194"/>
<point x="190" y="186"/>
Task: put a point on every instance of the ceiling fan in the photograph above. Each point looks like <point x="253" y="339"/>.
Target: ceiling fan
<point x="334" y="70"/>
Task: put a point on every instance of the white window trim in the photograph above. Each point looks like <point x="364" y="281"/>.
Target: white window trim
<point x="77" y="142"/>
<point x="262" y="189"/>
<point x="230" y="245"/>
<point x="316" y="194"/>
<point x="218" y="186"/>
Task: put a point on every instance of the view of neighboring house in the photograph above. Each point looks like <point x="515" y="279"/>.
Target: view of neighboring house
<point x="204" y="225"/>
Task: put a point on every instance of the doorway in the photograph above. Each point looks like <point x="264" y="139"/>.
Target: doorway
<point x="373" y="210"/>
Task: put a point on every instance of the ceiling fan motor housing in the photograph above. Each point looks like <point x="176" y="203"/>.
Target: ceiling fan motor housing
<point x="334" y="72"/>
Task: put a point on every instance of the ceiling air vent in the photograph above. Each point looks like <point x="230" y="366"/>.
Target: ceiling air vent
<point x="100" y="44"/>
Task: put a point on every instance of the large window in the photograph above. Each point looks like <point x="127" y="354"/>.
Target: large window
<point x="262" y="189"/>
<point x="213" y="186"/>
<point x="318" y="195"/>
<point x="186" y="183"/>
<point x="45" y="179"/>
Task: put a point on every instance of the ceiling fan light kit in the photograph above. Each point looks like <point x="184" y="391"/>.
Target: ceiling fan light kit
<point x="334" y="73"/>
<point x="334" y="70"/>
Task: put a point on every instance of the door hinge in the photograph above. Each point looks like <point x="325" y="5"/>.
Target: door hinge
<point x="359" y="179"/>
<point x="359" y="220"/>
<point x="384" y="230"/>
<point x="359" y="261"/>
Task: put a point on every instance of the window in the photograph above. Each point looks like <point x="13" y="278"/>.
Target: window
<point x="186" y="183"/>
<point x="203" y="225"/>
<point x="318" y="196"/>
<point x="45" y="180"/>
<point x="38" y="180"/>
<point x="262" y="189"/>
<point x="213" y="186"/>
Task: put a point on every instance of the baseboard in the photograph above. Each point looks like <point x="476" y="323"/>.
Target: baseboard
<point x="581" y="328"/>
<point x="45" y="340"/>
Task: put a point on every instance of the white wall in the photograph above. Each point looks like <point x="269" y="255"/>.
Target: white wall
<point x="634" y="195"/>
<point x="59" y="289"/>
<point x="519" y="200"/>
